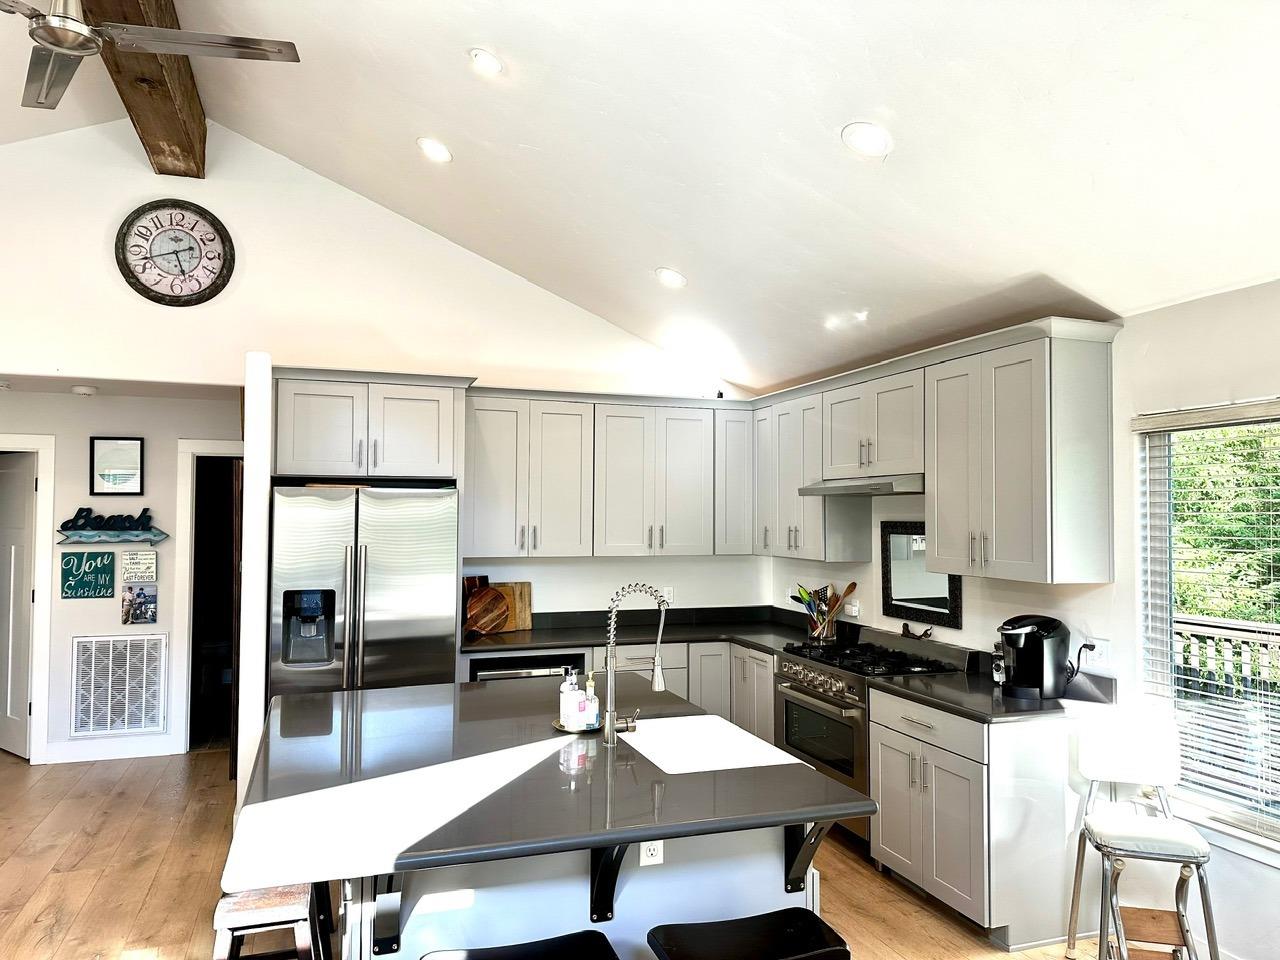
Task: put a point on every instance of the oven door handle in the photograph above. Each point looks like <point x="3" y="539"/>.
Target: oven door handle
<point x="791" y="693"/>
<point x="519" y="674"/>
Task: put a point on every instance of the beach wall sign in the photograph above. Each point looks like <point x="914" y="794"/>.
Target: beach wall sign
<point x="89" y="527"/>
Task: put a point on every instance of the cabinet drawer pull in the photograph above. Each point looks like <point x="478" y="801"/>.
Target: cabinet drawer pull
<point x="918" y="723"/>
<point x="924" y="774"/>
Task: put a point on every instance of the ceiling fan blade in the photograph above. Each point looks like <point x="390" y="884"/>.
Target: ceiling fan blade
<point x="17" y="6"/>
<point x="135" y="39"/>
<point x="47" y="77"/>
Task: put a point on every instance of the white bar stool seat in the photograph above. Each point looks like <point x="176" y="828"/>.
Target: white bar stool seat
<point x="1124" y="833"/>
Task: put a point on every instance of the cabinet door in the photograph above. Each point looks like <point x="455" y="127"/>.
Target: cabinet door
<point x="624" y="481"/>
<point x="844" y="442"/>
<point x="953" y="456"/>
<point x="410" y="431"/>
<point x="709" y="678"/>
<point x="790" y="450"/>
<point x="734" y="505"/>
<point x="684" y="472"/>
<point x="561" y="459"/>
<point x="742" y="698"/>
<point x="953" y="791"/>
<point x="810" y="536"/>
<point x="895" y="830"/>
<point x="895" y="424"/>
<point x="495" y="515"/>
<point x="322" y="428"/>
<point x="764" y="537"/>
<point x="1014" y="539"/>
<point x="760" y="673"/>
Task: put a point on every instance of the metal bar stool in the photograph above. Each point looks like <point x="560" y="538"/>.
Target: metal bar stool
<point x="1141" y="749"/>
<point x="304" y="909"/>
<point x="788" y="934"/>
<point x="584" y="945"/>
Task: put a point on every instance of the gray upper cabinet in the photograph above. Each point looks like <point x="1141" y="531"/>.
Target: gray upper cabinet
<point x="410" y="431"/>
<point x="624" y="480"/>
<point x="1018" y="445"/>
<point x="734" y="473"/>
<point x="684" y="481"/>
<point x="874" y="428"/>
<point x="798" y="429"/>
<point x="495" y="514"/>
<point x="561" y="468"/>
<point x="764" y="537"/>
<point x="322" y="428"/>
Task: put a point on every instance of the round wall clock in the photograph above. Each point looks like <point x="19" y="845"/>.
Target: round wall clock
<point x="175" y="252"/>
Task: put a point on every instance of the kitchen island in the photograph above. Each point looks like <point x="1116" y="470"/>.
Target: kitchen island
<point x="479" y="824"/>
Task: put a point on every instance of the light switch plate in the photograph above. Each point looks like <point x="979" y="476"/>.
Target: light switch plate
<point x="650" y="853"/>
<point x="669" y="594"/>
<point x="1098" y="660"/>
<point x="852" y="608"/>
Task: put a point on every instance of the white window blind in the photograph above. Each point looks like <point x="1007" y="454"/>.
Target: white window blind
<point x="1210" y="516"/>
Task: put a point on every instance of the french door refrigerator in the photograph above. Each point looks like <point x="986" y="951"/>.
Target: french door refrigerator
<point x="364" y="587"/>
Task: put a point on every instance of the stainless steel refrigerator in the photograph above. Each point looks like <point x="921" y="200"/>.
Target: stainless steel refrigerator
<point x="364" y="587"/>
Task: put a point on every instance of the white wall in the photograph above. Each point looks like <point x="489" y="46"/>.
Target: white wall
<point x="71" y="421"/>
<point x="323" y="278"/>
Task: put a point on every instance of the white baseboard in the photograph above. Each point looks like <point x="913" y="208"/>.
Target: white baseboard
<point x="86" y="749"/>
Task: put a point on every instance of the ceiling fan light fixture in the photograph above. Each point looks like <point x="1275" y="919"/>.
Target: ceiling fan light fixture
<point x="672" y="279"/>
<point x="868" y="140"/>
<point x="434" y="150"/>
<point x="485" y="63"/>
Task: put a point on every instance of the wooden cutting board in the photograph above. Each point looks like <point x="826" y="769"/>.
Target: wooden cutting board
<point x="519" y="597"/>
<point x="487" y="611"/>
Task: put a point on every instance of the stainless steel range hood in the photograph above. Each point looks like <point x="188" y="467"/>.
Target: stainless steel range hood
<point x="895" y="485"/>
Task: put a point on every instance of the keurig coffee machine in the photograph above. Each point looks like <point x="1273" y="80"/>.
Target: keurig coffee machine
<point x="1031" y="658"/>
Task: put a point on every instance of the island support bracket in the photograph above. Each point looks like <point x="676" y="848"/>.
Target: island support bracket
<point x="606" y="862"/>
<point x="386" y="914"/>
<point x="801" y="842"/>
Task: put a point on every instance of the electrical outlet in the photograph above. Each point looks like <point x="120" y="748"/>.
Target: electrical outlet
<point x="650" y="853"/>
<point x="669" y="594"/>
<point x="852" y="608"/>
<point x="1098" y="660"/>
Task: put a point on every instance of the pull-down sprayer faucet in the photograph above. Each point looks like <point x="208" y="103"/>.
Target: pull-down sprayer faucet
<point x="612" y="725"/>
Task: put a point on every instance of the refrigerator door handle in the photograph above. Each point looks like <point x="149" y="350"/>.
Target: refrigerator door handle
<point x="362" y="579"/>
<point x="347" y="586"/>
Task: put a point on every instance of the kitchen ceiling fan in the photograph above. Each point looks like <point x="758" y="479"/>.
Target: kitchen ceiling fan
<point x="64" y="38"/>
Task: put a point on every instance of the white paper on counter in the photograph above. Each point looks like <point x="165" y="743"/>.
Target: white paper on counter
<point x="698" y="744"/>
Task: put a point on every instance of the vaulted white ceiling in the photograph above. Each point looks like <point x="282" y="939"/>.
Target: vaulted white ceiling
<point x="1081" y="157"/>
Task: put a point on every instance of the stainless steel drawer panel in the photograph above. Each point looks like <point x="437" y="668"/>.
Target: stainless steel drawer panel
<point x="960" y="735"/>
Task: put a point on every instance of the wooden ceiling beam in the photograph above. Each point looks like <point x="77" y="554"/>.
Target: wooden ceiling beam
<point x="158" y="89"/>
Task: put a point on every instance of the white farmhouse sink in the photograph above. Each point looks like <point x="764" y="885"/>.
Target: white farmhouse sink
<point x="697" y="744"/>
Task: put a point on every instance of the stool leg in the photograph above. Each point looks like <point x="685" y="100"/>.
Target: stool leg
<point x="302" y="939"/>
<point x="1104" y="920"/>
<point x="1122" y="945"/>
<point x="1073" y="925"/>
<point x="1180" y="893"/>
<point x="226" y="945"/>
<point x="1211" y="931"/>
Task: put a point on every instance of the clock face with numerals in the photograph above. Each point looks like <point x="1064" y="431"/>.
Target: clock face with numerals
<point x="174" y="252"/>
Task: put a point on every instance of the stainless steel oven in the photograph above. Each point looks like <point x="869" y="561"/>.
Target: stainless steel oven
<point x="829" y="733"/>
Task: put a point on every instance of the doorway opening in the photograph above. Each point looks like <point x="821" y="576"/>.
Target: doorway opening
<point x="17" y="598"/>
<point x="215" y="602"/>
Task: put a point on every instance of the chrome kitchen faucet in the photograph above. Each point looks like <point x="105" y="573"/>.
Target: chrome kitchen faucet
<point x="612" y="725"/>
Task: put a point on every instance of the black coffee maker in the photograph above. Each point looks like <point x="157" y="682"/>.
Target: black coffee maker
<point x="1030" y="661"/>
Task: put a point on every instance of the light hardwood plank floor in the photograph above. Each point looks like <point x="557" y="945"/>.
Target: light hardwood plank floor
<point x="120" y="860"/>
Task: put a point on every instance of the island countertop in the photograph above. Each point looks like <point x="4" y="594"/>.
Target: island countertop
<point x="369" y="782"/>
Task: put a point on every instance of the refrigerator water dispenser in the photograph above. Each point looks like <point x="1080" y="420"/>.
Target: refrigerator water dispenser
<point x="308" y="633"/>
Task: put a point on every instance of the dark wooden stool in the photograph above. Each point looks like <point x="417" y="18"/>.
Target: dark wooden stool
<point x="584" y="945"/>
<point x="788" y="934"/>
<point x="305" y="909"/>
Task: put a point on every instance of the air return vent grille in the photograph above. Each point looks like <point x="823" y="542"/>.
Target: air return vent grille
<point x="119" y="685"/>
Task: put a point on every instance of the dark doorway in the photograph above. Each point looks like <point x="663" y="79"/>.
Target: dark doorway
<point x="215" y="606"/>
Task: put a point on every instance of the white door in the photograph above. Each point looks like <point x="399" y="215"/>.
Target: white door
<point x="1014" y="539"/>
<point x="734" y="505"/>
<point x="895" y="424"/>
<point x="764" y="538"/>
<point x="624" y="481"/>
<point x="760" y="672"/>
<point x="684" y="491"/>
<point x="410" y="431"/>
<point x="953" y="457"/>
<point x="789" y="430"/>
<point x="710" y="677"/>
<point x="495" y="516"/>
<point x="17" y="543"/>
<point x="561" y="461"/>
<point x="844" y="419"/>
<point x="810" y="535"/>
<point x="953" y="793"/>
<point x="895" y="830"/>
<point x="322" y="428"/>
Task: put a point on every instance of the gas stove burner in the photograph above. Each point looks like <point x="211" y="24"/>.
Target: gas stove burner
<point x="868" y="659"/>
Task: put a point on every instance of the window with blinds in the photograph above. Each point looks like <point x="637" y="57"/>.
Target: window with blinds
<point x="1210" y="516"/>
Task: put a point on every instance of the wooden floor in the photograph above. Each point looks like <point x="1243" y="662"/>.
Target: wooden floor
<point x="120" y="860"/>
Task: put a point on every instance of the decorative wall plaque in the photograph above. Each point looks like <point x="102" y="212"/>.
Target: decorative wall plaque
<point x="88" y="575"/>
<point x="89" y="527"/>
<point x="137" y="566"/>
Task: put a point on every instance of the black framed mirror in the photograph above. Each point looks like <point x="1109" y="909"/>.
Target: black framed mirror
<point x="908" y="590"/>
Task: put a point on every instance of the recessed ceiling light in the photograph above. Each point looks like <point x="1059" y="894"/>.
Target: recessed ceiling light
<point x="485" y="63"/>
<point x="867" y="139"/>
<point x="434" y="150"/>
<point x="671" y="278"/>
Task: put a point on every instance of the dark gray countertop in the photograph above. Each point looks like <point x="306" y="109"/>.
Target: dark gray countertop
<point x="971" y="695"/>
<point x="766" y="637"/>
<point x="582" y="795"/>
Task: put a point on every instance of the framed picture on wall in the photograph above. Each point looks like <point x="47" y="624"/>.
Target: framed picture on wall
<point x="115" y="466"/>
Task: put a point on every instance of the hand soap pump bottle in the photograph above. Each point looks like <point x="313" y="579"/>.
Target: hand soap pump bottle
<point x="592" y="716"/>
<point x="569" y="695"/>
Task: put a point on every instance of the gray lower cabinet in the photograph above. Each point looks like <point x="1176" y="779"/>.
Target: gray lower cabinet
<point x="752" y="691"/>
<point x="932" y="827"/>
<point x="709" y="677"/>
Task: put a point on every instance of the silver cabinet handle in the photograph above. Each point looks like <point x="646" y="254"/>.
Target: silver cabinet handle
<point x="766" y="537"/>
<point x="521" y="547"/>
<point x="535" y="536"/>
<point x="911" y="772"/>
<point x="918" y="723"/>
<point x="373" y="450"/>
<point x="797" y="536"/>
<point x="347" y="587"/>
<point x="662" y="536"/>
<point x="360" y="452"/>
<point x="829" y="709"/>
<point x="870" y="458"/>
<point x="362" y="576"/>
<point x="518" y="674"/>
<point x="984" y="548"/>
<point x="862" y="455"/>
<point x="789" y="529"/>
<point x="651" y="536"/>
<point x="924" y="774"/>
<point x="972" y="547"/>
